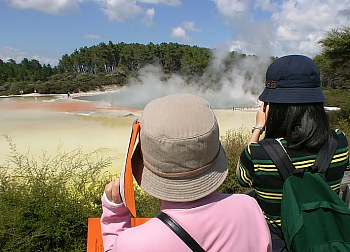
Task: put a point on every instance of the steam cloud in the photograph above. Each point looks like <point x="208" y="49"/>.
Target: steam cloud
<point x="238" y="86"/>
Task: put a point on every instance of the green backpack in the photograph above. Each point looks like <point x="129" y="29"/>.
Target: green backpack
<point x="313" y="216"/>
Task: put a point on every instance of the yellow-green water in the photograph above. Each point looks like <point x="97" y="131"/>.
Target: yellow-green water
<point x="39" y="131"/>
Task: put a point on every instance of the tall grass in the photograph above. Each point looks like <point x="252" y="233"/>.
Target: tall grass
<point x="340" y="119"/>
<point x="233" y="143"/>
<point x="45" y="204"/>
<point x="146" y="205"/>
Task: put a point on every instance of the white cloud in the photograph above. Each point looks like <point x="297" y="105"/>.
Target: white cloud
<point x="306" y="22"/>
<point x="148" y="18"/>
<point x="231" y="8"/>
<point x="115" y="10"/>
<point x="56" y="7"/>
<point x="179" y="33"/>
<point x="7" y="53"/>
<point x="189" y="26"/>
<point x="290" y="26"/>
<point x="273" y="27"/>
<point x="120" y="10"/>
<point x="92" y="36"/>
<point x="166" y="2"/>
<point x="266" y="5"/>
<point x="286" y="33"/>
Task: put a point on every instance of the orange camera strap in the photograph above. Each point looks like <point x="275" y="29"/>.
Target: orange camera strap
<point x="127" y="183"/>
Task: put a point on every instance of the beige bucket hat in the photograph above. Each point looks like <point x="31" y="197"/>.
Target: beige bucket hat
<point x="179" y="156"/>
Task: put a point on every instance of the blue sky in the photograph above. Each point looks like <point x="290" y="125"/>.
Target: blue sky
<point x="47" y="29"/>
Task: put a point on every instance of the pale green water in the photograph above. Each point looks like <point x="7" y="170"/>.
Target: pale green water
<point x="39" y="131"/>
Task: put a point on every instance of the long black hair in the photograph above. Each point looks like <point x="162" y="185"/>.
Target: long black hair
<point x="302" y="125"/>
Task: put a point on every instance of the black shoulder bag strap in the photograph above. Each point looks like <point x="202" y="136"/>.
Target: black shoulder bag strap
<point x="180" y="232"/>
<point x="327" y="152"/>
<point x="278" y="156"/>
<point x="283" y="163"/>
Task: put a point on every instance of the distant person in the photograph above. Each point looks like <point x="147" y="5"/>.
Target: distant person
<point x="68" y="94"/>
<point x="293" y="112"/>
<point x="182" y="163"/>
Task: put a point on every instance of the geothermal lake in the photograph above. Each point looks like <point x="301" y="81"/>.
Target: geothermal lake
<point x="44" y="124"/>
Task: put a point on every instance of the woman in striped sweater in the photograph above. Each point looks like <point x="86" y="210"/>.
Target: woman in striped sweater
<point x="293" y="113"/>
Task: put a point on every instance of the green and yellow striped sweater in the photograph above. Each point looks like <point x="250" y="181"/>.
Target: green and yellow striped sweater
<point x="257" y="170"/>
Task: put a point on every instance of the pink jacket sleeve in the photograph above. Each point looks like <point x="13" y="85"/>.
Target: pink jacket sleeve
<point x="114" y="220"/>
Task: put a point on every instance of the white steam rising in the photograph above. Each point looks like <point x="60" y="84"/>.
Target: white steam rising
<point x="237" y="86"/>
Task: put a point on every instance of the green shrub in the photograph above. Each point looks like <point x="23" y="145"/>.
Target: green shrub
<point x="343" y="125"/>
<point x="233" y="143"/>
<point x="339" y="119"/>
<point x="146" y="205"/>
<point x="45" y="204"/>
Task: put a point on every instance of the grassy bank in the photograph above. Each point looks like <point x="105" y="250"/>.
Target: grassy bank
<point x="339" y="98"/>
<point x="45" y="204"/>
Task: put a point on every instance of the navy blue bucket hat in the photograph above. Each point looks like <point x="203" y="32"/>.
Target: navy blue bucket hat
<point x="293" y="79"/>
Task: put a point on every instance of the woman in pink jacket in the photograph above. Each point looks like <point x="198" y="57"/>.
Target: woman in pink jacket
<point x="180" y="161"/>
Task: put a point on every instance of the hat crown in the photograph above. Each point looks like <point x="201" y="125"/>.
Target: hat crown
<point x="183" y="159"/>
<point x="293" y="79"/>
<point x="294" y="71"/>
<point x="179" y="148"/>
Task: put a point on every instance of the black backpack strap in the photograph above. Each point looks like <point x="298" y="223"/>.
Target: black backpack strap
<point x="325" y="155"/>
<point x="180" y="232"/>
<point x="282" y="161"/>
<point x="278" y="156"/>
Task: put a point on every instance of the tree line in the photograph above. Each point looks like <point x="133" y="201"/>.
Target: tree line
<point x="334" y="61"/>
<point x="123" y="58"/>
<point x="104" y="64"/>
<point x="27" y="71"/>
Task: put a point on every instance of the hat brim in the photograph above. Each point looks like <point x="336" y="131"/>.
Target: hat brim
<point x="292" y="95"/>
<point x="180" y="190"/>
